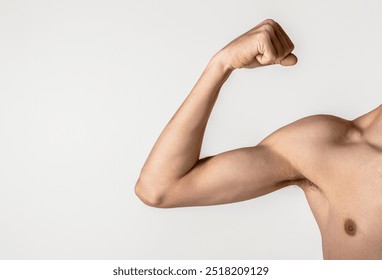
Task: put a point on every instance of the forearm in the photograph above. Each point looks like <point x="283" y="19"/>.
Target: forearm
<point x="178" y="147"/>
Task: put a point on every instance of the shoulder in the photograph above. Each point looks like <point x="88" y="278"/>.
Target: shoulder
<point x="308" y="142"/>
<point x="314" y="129"/>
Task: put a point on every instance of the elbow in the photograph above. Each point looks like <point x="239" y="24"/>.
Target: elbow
<point x="150" y="196"/>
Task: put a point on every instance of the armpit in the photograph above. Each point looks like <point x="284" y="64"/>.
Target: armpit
<point x="306" y="184"/>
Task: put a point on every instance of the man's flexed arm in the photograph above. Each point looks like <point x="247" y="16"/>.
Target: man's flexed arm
<point x="173" y="174"/>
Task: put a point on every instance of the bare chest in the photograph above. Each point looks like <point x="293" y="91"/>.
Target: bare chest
<point x="352" y="233"/>
<point x="347" y="203"/>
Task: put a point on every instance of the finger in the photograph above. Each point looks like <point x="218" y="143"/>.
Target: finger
<point x="290" y="43"/>
<point x="289" y="60"/>
<point x="277" y="46"/>
<point x="279" y="42"/>
<point x="282" y="40"/>
<point x="278" y="32"/>
<point x="268" y="53"/>
<point x="275" y="24"/>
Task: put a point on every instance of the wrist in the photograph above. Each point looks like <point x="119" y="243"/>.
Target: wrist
<point x="220" y="59"/>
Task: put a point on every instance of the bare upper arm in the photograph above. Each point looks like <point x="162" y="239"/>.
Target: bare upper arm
<point x="231" y="176"/>
<point x="279" y="160"/>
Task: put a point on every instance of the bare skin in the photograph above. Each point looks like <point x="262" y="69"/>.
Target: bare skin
<point x="336" y="162"/>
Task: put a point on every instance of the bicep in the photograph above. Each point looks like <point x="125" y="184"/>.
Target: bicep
<point x="232" y="176"/>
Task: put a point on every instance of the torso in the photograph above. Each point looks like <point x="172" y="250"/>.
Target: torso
<point x="342" y="168"/>
<point x="348" y="206"/>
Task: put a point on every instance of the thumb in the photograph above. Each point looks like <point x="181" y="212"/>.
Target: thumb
<point x="289" y="60"/>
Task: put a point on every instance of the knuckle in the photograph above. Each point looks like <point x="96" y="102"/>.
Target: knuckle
<point x="270" y="21"/>
<point x="267" y="28"/>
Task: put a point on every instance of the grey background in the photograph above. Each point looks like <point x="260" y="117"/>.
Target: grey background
<point x="87" y="86"/>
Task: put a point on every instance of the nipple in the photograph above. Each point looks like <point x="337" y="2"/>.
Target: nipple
<point x="350" y="227"/>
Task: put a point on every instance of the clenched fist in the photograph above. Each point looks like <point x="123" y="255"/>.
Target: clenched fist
<point x="265" y="44"/>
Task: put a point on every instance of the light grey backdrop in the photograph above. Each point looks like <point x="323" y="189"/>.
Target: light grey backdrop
<point x="87" y="86"/>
